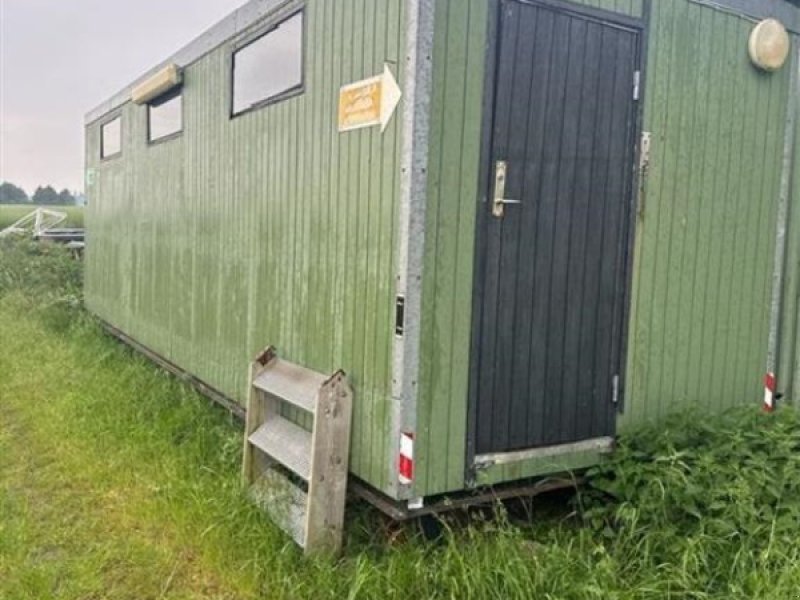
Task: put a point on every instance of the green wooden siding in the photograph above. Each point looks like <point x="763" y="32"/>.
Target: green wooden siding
<point x="270" y="228"/>
<point x="705" y="233"/>
<point x="456" y="115"/>
<point x="706" y="228"/>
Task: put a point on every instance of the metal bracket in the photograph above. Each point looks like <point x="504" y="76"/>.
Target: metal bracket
<point x="416" y="503"/>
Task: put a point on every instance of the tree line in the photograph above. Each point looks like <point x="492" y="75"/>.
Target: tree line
<point x="43" y="196"/>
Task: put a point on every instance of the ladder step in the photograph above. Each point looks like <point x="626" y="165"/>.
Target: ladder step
<point x="291" y="383"/>
<point x="283" y="501"/>
<point x="286" y="443"/>
<point x="299" y="476"/>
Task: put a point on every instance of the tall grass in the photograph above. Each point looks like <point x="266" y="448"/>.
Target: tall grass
<point x="40" y="273"/>
<point x="116" y="481"/>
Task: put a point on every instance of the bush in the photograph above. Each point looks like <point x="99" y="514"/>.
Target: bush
<point x="715" y="500"/>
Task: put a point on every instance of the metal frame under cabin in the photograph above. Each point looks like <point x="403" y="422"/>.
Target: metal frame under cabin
<point x="591" y="450"/>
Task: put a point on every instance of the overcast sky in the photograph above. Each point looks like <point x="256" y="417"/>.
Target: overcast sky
<point x="61" y="58"/>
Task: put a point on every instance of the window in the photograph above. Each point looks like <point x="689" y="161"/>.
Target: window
<point x="269" y="66"/>
<point x="165" y="115"/>
<point x="111" y="138"/>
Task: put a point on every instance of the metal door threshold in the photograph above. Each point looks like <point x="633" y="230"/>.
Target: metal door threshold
<point x="600" y="445"/>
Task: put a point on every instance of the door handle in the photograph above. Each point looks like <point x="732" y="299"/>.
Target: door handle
<point x="500" y="201"/>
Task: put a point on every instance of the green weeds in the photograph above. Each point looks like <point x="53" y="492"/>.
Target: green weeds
<point x="43" y="277"/>
<point x="714" y="501"/>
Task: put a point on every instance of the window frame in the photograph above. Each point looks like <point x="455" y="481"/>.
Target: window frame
<point x="176" y="92"/>
<point x="260" y="33"/>
<point x="103" y="124"/>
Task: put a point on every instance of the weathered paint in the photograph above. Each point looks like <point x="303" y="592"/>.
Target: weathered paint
<point x="705" y="233"/>
<point x="267" y="229"/>
<point x="456" y="118"/>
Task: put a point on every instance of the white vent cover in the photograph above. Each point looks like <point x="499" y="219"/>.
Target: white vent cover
<point x="769" y="45"/>
<point x="160" y="83"/>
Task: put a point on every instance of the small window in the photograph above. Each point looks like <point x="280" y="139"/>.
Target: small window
<point x="111" y="138"/>
<point x="165" y="116"/>
<point x="269" y="66"/>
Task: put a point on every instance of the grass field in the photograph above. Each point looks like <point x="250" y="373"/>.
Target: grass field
<point x="10" y="213"/>
<point x="118" y="482"/>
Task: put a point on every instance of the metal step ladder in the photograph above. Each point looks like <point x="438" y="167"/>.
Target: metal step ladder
<point x="299" y="476"/>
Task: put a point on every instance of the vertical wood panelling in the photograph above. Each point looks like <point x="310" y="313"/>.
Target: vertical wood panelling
<point x="550" y="295"/>
<point x="456" y="117"/>
<point x="705" y="235"/>
<point x="270" y="228"/>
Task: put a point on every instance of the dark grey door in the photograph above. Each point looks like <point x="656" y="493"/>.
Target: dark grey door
<point x="553" y="248"/>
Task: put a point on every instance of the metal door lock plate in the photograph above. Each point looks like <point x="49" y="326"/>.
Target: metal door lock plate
<point x="500" y="177"/>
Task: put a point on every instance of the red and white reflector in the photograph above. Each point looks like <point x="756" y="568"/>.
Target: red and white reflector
<point x="769" y="392"/>
<point x="405" y="467"/>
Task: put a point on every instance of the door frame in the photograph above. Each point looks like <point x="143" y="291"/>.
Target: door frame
<point x="475" y="462"/>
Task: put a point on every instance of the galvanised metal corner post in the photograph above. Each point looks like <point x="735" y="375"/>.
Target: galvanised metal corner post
<point x="418" y="84"/>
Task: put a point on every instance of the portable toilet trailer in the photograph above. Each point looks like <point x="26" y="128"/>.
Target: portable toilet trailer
<point x="504" y="230"/>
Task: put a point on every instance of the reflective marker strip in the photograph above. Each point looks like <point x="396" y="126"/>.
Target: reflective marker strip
<point x="406" y="462"/>
<point x="769" y="392"/>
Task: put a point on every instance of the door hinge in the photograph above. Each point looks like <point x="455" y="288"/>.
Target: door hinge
<point x="637" y="80"/>
<point x="615" y="389"/>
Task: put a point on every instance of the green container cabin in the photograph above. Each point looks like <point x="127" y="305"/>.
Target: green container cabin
<point x="580" y="218"/>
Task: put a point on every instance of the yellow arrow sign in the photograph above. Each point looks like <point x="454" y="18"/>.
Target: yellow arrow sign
<point x="369" y="102"/>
